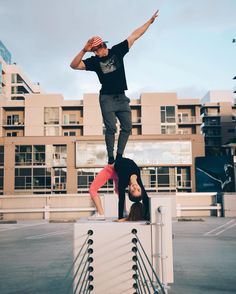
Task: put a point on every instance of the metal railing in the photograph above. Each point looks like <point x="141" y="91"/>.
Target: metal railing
<point x="190" y="119"/>
<point x="145" y="277"/>
<point x="82" y="265"/>
<point x="13" y="122"/>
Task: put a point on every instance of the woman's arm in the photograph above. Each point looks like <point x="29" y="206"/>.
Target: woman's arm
<point x="121" y="201"/>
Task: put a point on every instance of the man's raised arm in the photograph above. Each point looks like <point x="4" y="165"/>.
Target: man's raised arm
<point x="77" y="62"/>
<point x="141" y="30"/>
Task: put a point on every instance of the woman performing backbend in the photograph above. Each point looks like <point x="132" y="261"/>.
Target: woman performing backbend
<point x="126" y="174"/>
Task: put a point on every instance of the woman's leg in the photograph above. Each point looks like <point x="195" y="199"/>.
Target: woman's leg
<point x="102" y="177"/>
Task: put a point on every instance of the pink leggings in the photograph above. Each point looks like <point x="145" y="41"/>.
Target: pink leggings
<point x="102" y="177"/>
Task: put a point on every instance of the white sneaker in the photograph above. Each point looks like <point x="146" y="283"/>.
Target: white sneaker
<point x="97" y="216"/>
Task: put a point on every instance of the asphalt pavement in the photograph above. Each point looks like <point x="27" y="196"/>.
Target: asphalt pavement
<point x="35" y="257"/>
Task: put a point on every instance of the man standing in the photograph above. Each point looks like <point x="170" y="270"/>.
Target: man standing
<point x="109" y="67"/>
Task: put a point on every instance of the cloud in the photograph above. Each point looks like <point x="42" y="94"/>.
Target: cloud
<point x="43" y="37"/>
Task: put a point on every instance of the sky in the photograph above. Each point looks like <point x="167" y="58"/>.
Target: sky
<point x="188" y="49"/>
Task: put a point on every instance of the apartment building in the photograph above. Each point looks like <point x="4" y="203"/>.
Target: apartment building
<point x="218" y="113"/>
<point x="52" y="145"/>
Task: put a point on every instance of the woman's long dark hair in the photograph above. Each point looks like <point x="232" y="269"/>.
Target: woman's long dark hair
<point x="136" y="212"/>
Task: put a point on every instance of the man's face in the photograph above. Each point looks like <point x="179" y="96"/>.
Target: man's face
<point x="100" y="51"/>
<point x="135" y="190"/>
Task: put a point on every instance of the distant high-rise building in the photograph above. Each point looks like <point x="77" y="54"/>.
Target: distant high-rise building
<point x="5" y="53"/>
<point x="219" y="121"/>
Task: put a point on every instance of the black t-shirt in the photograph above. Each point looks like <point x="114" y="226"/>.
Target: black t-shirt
<point x="124" y="168"/>
<point x="110" y="69"/>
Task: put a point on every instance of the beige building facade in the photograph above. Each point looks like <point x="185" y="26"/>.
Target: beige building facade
<point x="52" y="145"/>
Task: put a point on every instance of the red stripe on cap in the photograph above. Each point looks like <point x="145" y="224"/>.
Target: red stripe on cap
<point x="97" y="41"/>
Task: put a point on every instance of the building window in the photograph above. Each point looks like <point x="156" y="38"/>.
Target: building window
<point x="28" y="155"/>
<point x="13" y="119"/>
<point x="85" y="178"/>
<point x="12" y="134"/>
<point x="51" y="115"/>
<point x="41" y="178"/>
<point x="1" y="78"/>
<point x="51" y="131"/>
<point x="167" y="114"/>
<point x="39" y="156"/>
<point x="23" y="178"/>
<point x="183" y="177"/>
<point x="1" y="178"/>
<point x="166" y="178"/>
<point x="70" y="119"/>
<point x="59" y="155"/>
<point x="168" y="130"/>
<point x="1" y="155"/>
<point x="69" y="133"/>
<point x="23" y="155"/>
<point x="59" y="179"/>
<point x="32" y="178"/>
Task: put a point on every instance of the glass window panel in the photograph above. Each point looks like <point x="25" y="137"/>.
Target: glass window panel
<point x="163" y="180"/>
<point x="39" y="171"/>
<point x="39" y="148"/>
<point x="170" y="110"/>
<point x="172" y="152"/>
<point x="51" y="115"/>
<point x="25" y="171"/>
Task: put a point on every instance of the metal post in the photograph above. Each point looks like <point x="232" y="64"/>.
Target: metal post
<point x="161" y="212"/>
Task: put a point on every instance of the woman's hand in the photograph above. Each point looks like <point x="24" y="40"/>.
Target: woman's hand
<point x="121" y="220"/>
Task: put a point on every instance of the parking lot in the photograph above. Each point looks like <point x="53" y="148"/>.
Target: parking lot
<point x="36" y="256"/>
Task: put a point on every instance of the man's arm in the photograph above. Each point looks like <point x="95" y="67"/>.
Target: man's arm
<point x="140" y="31"/>
<point x="77" y="62"/>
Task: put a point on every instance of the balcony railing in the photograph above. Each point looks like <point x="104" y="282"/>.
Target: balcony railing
<point x="184" y="184"/>
<point x="190" y="120"/>
<point x="13" y="122"/>
<point x="210" y="114"/>
<point x="210" y="124"/>
<point x="52" y="122"/>
<point x="72" y="122"/>
<point x="136" y="120"/>
<point x="212" y="134"/>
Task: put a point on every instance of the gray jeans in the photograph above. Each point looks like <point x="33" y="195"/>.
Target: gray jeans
<point x="112" y="107"/>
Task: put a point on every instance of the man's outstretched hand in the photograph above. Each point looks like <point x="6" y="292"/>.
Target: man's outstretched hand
<point x="155" y="15"/>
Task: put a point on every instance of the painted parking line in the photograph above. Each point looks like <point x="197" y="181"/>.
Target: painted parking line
<point x="46" y="235"/>
<point x="220" y="229"/>
<point x="229" y="227"/>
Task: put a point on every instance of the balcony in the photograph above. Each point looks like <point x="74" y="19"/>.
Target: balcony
<point x="136" y="120"/>
<point x="52" y="122"/>
<point x="14" y="123"/>
<point x="212" y="135"/>
<point x="211" y="114"/>
<point x="190" y="120"/>
<point x="72" y="123"/>
<point x="210" y="124"/>
<point x="184" y="132"/>
<point x="184" y="184"/>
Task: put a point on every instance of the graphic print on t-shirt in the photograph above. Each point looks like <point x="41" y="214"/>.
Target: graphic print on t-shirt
<point x="110" y="65"/>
